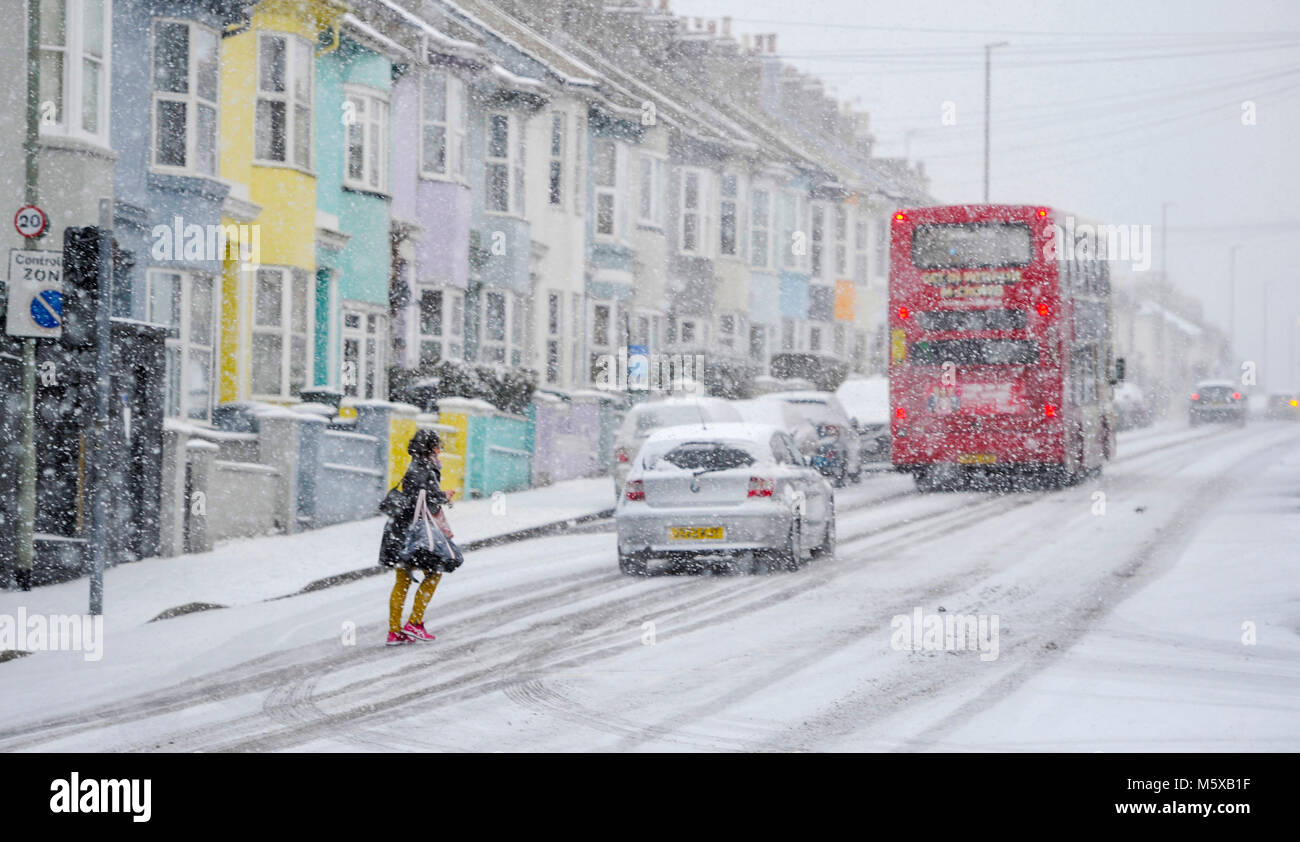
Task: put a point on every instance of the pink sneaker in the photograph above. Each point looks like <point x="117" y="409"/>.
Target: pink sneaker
<point x="398" y="638"/>
<point x="417" y="632"/>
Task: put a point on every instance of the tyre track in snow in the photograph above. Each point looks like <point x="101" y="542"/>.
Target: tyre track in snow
<point x="927" y="593"/>
<point x="497" y="608"/>
<point x="900" y="687"/>
<point x="564" y="645"/>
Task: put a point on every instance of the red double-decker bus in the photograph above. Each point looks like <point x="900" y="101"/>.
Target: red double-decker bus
<point x="1001" y="363"/>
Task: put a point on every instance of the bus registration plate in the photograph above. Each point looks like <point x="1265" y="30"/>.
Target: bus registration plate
<point x="977" y="459"/>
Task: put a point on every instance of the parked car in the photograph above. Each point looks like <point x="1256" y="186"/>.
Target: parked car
<point x="644" y="418"/>
<point x="866" y="399"/>
<point x="783" y="416"/>
<point x="723" y="489"/>
<point x="1132" y="409"/>
<point x="839" y="449"/>
<point x="1216" y="400"/>
<point x="1282" y="407"/>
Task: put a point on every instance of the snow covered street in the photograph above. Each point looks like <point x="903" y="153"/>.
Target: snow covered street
<point x="1120" y="605"/>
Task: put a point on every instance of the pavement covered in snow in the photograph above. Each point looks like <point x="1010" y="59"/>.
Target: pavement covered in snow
<point x="1120" y="627"/>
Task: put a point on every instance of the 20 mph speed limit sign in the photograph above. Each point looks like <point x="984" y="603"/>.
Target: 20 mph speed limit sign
<point x="31" y="221"/>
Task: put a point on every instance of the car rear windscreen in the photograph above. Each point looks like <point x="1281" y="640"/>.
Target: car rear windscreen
<point x="708" y="456"/>
<point x="974" y="352"/>
<point x="1218" y="394"/>
<point x="937" y="320"/>
<point x="668" y="416"/>
<point x="972" y="244"/>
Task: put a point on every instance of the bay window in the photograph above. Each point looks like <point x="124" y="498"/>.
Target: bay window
<point x="75" y="46"/>
<point x="444" y="122"/>
<point x="728" y="232"/>
<point x="282" y="128"/>
<point x="650" y="210"/>
<point x="695" y="207"/>
<point x="841" y="241"/>
<point x="186" y="93"/>
<point x="860" y="249"/>
<point x="186" y="302"/>
<point x="367" y="140"/>
<point x="555" y="175"/>
<point x="504" y="157"/>
<point x="282" y="313"/>
<point x="760" y="229"/>
<point x="605" y="177"/>
<point x="441" y="325"/>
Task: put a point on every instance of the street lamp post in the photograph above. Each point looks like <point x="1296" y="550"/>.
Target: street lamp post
<point x="988" y="78"/>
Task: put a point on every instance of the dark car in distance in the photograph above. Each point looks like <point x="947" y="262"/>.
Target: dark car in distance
<point x="1217" y="401"/>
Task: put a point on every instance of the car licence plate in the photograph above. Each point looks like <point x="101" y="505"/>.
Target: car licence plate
<point x="696" y="533"/>
<point x="977" y="459"/>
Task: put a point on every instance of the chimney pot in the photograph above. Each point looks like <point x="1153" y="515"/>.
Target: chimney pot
<point x="713" y="27"/>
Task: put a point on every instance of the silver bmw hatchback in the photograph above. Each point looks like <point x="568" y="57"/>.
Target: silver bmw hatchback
<point x="726" y="489"/>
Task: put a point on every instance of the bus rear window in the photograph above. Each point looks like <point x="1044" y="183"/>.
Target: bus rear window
<point x="975" y="352"/>
<point x="972" y="244"/>
<point x="971" y="320"/>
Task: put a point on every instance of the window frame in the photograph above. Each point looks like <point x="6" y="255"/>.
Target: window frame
<point x="289" y="98"/>
<point x="183" y="343"/>
<point x="702" y="212"/>
<point x="72" y="78"/>
<point x="369" y="119"/>
<point x="454" y="125"/>
<point x="512" y="162"/>
<point x="191" y="99"/>
<point x="607" y="191"/>
<point x="289" y="277"/>
<point x="765" y="229"/>
<point x="651" y="194"/>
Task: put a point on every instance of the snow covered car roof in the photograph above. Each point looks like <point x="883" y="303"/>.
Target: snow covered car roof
<point x="817" y="397"/>
<point x="1228" y="384"/>
<point x="721" y="431"/>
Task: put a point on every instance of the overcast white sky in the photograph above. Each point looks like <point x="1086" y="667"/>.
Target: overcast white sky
<point x="1090" y="116"/>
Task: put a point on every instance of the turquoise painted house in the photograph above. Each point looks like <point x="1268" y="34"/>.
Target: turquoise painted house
<point x="354" y="184"/>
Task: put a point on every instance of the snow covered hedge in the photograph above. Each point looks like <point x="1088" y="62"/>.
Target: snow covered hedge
<point x="507" y="388"/>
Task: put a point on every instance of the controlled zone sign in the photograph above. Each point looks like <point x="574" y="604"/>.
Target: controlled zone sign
<point x="35" y="294"/>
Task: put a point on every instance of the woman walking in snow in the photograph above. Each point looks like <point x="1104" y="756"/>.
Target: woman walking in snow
<point x="423" y="474"/>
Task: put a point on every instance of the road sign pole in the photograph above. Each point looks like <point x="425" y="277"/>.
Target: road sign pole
<point x="99" y="525"/>
<point x="27" y="460"/>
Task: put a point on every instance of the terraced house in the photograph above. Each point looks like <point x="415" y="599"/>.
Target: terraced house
<point x="313" y="201"/>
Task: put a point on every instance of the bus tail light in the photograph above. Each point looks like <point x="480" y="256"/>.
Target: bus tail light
<point x="904" y="313"/>
<point x="1049" y="410"/>
<point x="900" y="414"/>
<point x="900" y="216"/>
<point x="635" y="489"/>
<point x="760" y="487"/>
<point x="1044" y="310"/>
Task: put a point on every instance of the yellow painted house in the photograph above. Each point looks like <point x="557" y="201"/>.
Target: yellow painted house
<point x="268" y="117"/>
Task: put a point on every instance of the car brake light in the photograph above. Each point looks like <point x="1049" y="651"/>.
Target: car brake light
<point x="1049" y="410"/>
<point x="760" y="487"/>
<point x="831" y="430"/>
<point x="1236" y="396"/>
<point x="635" y="489"/>
<point x="620" y="453"/>
<point x="1195" y="396"/>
